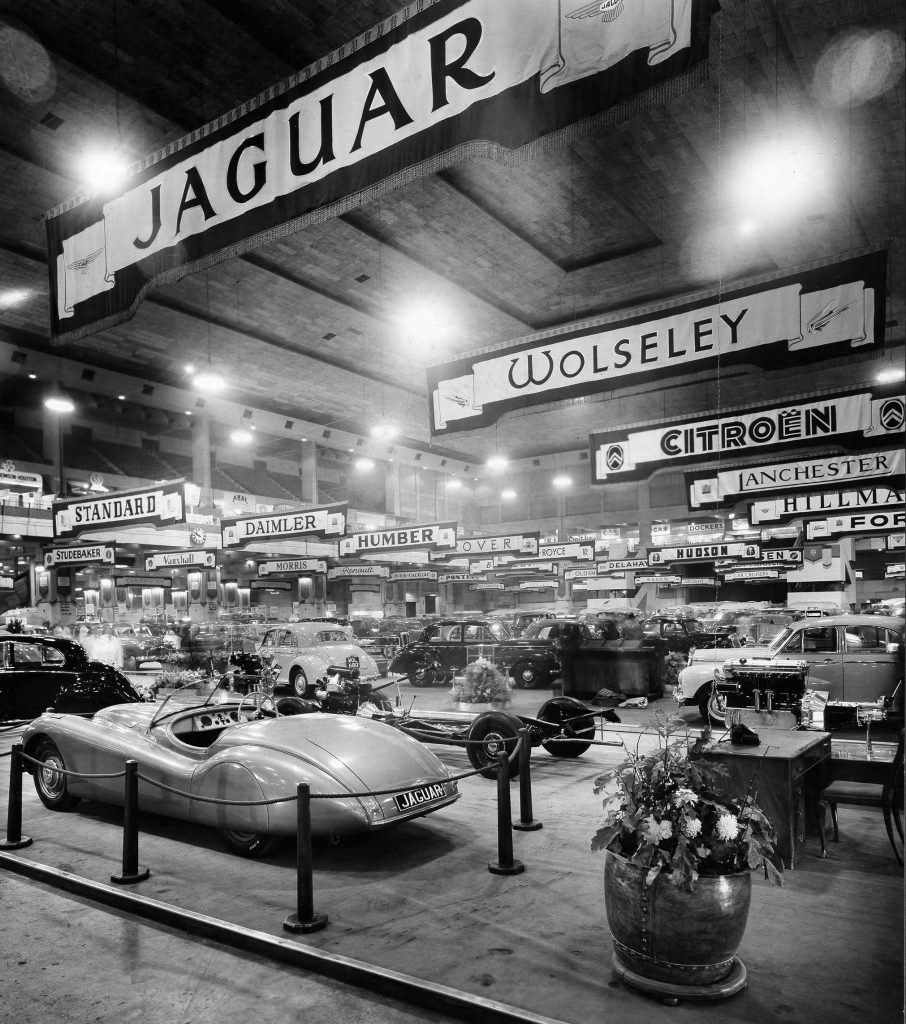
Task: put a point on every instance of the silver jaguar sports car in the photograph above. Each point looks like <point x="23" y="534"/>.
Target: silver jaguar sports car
<point x="228" y="751"/>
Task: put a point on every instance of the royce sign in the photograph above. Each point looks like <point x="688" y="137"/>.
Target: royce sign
<point x="161" y="505"/>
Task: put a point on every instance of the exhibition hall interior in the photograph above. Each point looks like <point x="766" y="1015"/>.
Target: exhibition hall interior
<point x="423" y="427"/>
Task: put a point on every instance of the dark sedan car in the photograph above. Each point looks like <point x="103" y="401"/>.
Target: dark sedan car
<point x="38" y="673"/>
<point x="140" y="646"/>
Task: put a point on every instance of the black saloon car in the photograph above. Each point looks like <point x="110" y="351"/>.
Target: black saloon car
<point x="38" y="673"/>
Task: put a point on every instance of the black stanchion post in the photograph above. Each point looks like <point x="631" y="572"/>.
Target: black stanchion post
<point x="14" y="838"/>
<point x="132" y="871"/>
<point x="505" y="864"/>
<point x="525" y="823"/>
<point x="305" y="919"/>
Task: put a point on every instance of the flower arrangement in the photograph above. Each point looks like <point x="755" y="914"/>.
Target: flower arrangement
<point x="481" y="683"/>
<point x="665" y="811"/>
<point x="177" y="679"/>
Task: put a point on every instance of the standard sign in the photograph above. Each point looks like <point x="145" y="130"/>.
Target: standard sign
<point x="72" y="556"/>
<point x="175" y="559"/>
<point x="437" y="535"/>
<point x="328" y="521"/>
<point x="314" y="565"/>
<point x="623" y="454"/>
<point x="703" y="553"/>
<point x="866" y="522"/>
<point x="161" y="505"/>
<point x="782" y="476"/>
<point x="809" y="504"/>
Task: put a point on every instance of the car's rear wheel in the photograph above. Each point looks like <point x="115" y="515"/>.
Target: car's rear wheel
<point x="249" y="844"/>
<point x="572" y="720"/>
<point x="530" y="675"/>
<point x="712" y="706"/>
<point x="429" y="670"/>
<point x="50" y="782"/>
<point x="493" y="733"/>
<point x="299" y="682"/>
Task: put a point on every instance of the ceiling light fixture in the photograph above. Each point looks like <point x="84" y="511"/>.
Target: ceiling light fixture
<point x="508" y="494"/>
<point x="59" y="403"/>
<point x="497" y="462"/>
<point x="562" y="481"/>
<point x="241" y="437"/>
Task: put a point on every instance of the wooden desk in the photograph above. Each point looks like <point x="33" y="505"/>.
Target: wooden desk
<point x="786" y="787"/>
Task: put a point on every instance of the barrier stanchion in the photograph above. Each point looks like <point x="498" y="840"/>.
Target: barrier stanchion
<point x="132" y="871"/>
<point x="525" y="823"/>
<point x="14" y="838"/>
<point x="505" y="864"/>
<point x="305" y="919"/>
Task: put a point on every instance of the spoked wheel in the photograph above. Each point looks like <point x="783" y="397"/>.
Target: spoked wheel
<point x="572" y="720"/>
<point x="258" y="704"/>
<point x="498" y="732"/>
<point x="50" y="783"/>
<point x="712" y="706"/>
<point x="249" y="844"/>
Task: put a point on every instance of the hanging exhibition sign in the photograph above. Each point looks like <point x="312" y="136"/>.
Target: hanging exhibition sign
<point x="311" y="565"/>
<point x="516" y="565"/>
<point x="327" y="521"/>
<point x="459" y="577"/>
<point x="866" y="522"/>
<point x="808" y="504"/>
<point x="661" y="580"/>
<point x="435" y="535"/>
<point x="11" y="479"/>
<point x="176" y="559"/>
<point x="700" y="581"/>
<point x="539" y="585"/>
<point x="570" y="552"/>
<point x="439" y="82"/>
<point x="593" y="573"/>
<point x="896" y="540"/>
<point x="413" y="575"/>
<point x="144" y="581"/>
<point x="486" y="586"/>
<point x="752" y="575"/>
<point x="812" y="315"/>
<point x="730" y="484"/>
<point x="270" y="585"/>
<point x="161" y="505"/>
<point x="104" y="553"/>
<point x="621" y="564"/>
<point x="352" y="572"/>
<point x="631" y="454"/>
<point x="513" y="544"/>
<point x="703" y="552"/>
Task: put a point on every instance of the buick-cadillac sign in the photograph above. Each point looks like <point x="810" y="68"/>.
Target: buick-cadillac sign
<point x="302" y="565"/>
<point x="413" y="576"/>
<point x="177" y="559"/>
<point x="703" y="552"/>
<point x="397" y="538"/>
<point x="162" y="505"/>
<point x="775" y="509"/>
<point x="791" y="320"/>
<point x="437" y="82"/>
<point x="729" y="484"/>
<point x="105" y="553"/>
<point x="327" y="521"/>
<point x="629" y="454"/>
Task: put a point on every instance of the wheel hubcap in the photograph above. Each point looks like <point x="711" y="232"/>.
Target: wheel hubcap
<point x="51" y="779"/>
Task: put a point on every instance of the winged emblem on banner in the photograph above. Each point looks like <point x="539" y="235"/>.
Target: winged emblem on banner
<point x="85" y="262"/>
<point x="608" y="9"/>
<point x="829" y="313"/>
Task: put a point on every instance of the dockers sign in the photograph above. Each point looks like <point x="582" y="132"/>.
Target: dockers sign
<point x="438" y="82"/>
<point x="105" y="553"/>
<point x="162" y="505"/>
<point x="791" y="320"/>
<point x="703" y="553"/>
<point x="176" y="559"/>
<point x="782" y="476"/>
<point x="809" y="504"/>
<point x="327" y="521"/>
<point x="866" y="522"/>
<point x="630" y="454"/>
<point x="303" y="565"/>
<point x="397" y="538"/>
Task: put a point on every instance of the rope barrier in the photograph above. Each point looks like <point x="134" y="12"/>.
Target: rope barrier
<point x="69" y="771"/>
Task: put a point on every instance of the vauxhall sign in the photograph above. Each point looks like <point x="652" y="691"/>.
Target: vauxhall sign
<point x="438" y="82"/>
<point x="175" y="559"/>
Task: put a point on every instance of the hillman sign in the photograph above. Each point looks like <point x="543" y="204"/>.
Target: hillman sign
<point x="809" y="504"/>
<point x="162" y="505"/>
<point x="327" y="521"/>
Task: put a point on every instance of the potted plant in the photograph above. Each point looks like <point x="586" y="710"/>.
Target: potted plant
<point x="680" y="852"/>
<point x="481" y="683"/>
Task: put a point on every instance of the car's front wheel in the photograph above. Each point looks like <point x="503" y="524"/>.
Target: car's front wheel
<point x="712" y="706"/>
<point x="493" y="733"/>
<point x="530" y="675"/>
<point x="249" y="844"/>
<point x="50" y="782"/>
<point x="299" y="682"/>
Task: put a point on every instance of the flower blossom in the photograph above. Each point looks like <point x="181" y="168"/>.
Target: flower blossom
<point x="683" y="796"/>
<point x="727" y="827"/>
<point x="691" y="827"/>
<point x="656" y="830"/>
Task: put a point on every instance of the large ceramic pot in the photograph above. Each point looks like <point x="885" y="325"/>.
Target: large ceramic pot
<point x="668" y="934"/>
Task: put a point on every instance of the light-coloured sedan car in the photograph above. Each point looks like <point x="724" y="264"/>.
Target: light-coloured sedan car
<point x="303" y="652"/>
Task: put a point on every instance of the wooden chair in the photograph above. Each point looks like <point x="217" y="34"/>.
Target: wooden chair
<point x="887" y="795"/>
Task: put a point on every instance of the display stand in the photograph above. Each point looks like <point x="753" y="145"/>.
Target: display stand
<point x="671" y="994"/>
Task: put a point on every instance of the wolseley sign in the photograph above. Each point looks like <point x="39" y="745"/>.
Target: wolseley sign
<point x="105" y="553"/>
<point x="808" y="504"/>
<point x="865" y="522"/>
<point x="703" y="552"/>
<point x="327" y="521"/>
<point x="436" y="535"/>
<point x="313" y="565"/>
<point x="629" y="454"/>
<point x="783" y="476"/>
<point x="162" y="505"/>
<point x="175" y="559"/>
<point x="787" y="320"/>
<point x="437" y="82"/>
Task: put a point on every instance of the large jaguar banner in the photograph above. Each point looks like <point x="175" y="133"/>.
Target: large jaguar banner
<point x="439" y="82"/>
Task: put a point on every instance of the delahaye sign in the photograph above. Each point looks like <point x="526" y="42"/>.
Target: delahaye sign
<point x="162" y="505"/>
<point x="327" y="521"/>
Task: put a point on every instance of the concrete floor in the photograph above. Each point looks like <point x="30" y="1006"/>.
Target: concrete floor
<point x="420" y="900"/>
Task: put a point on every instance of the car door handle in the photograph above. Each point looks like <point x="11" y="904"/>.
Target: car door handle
<point x="829" y="661"/>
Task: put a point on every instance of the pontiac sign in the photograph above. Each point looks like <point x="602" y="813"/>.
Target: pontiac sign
<point x="160" y="505"/>
<point x="327" y="521"/>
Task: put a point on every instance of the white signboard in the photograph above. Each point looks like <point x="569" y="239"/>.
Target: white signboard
<point x="482" y="566"/>
<point x="704" y="552"/>
<point x="413" y="575"/>
<point x="353" y="572"/>
<point x="752" y="574"/>
<point x="516" y="565"/>
<point x="486" y="586"/>
<point x="105" y="553"/>
<point x="865" y="522"/>
<point x="576" y="552"/>
<point x="12" y="479"/>
<point x="459" y="577"/>
<point x="698" y="528"/>
<point x="175" y="559"/>
<point x="162" y="505"/>
<point x="896" y="540"/>
<point x="700" y="581"/>
<point x="328" y="521"/>
<point x="313" y="565"/>
<point x="539" y="585"/>
<point x="622" y="454"/>
<point x="770" y="510"/>
<point x="511" y="544"/>
<point x="396" y="538"/>
<point x="143" y="581"/>
<point x="621" y="565"/>
<point x="662" y="580"/>
<point x="782" y="476"/>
